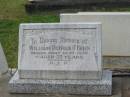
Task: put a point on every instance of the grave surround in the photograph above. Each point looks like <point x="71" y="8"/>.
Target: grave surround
<point x="79" y="75"/>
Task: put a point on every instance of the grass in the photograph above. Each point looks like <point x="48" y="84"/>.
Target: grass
<point x="12" y="13"/>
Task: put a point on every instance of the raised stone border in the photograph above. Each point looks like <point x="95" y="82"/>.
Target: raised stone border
<point x="73" y="5"/>
<point x="87" y="87"/>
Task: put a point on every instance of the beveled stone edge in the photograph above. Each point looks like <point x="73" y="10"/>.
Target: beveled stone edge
<point x="40" y="74"/>
<point x="94" y="87"/>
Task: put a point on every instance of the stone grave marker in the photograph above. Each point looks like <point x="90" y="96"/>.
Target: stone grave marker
<point x="60" y="51"/>
<point x="115" y="29"/>
<point x="3" y="61"/>
<point x="60" y="58"/>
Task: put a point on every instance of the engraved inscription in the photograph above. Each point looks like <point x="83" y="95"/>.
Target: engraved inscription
<point x="60" y="47"/>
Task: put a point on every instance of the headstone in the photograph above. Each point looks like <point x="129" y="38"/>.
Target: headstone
<point x="3" y="61"/>
<point x="115" y="36"/>
<point x="61" y="58"/>
<point x="60" y="51"/>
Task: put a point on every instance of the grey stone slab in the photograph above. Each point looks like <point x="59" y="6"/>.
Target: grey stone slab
<point x="60" y="51"/>
<point x="115" y="28"/>
<point x="3" y="61"/>
<point x="116" y="91"/>
<point x="87" y="87"/>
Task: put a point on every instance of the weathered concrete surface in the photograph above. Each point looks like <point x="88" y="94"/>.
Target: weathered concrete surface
<point x="86" y="87"/>
<point x="117" y="60"/>
<point x="117" y="86"/>
<point x="126" y="87"/>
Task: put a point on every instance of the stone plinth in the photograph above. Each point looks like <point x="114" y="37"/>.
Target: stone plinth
<point x="87" y="87"/>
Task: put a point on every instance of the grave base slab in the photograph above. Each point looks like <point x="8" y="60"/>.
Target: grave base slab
<point x="86" y="87"/>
